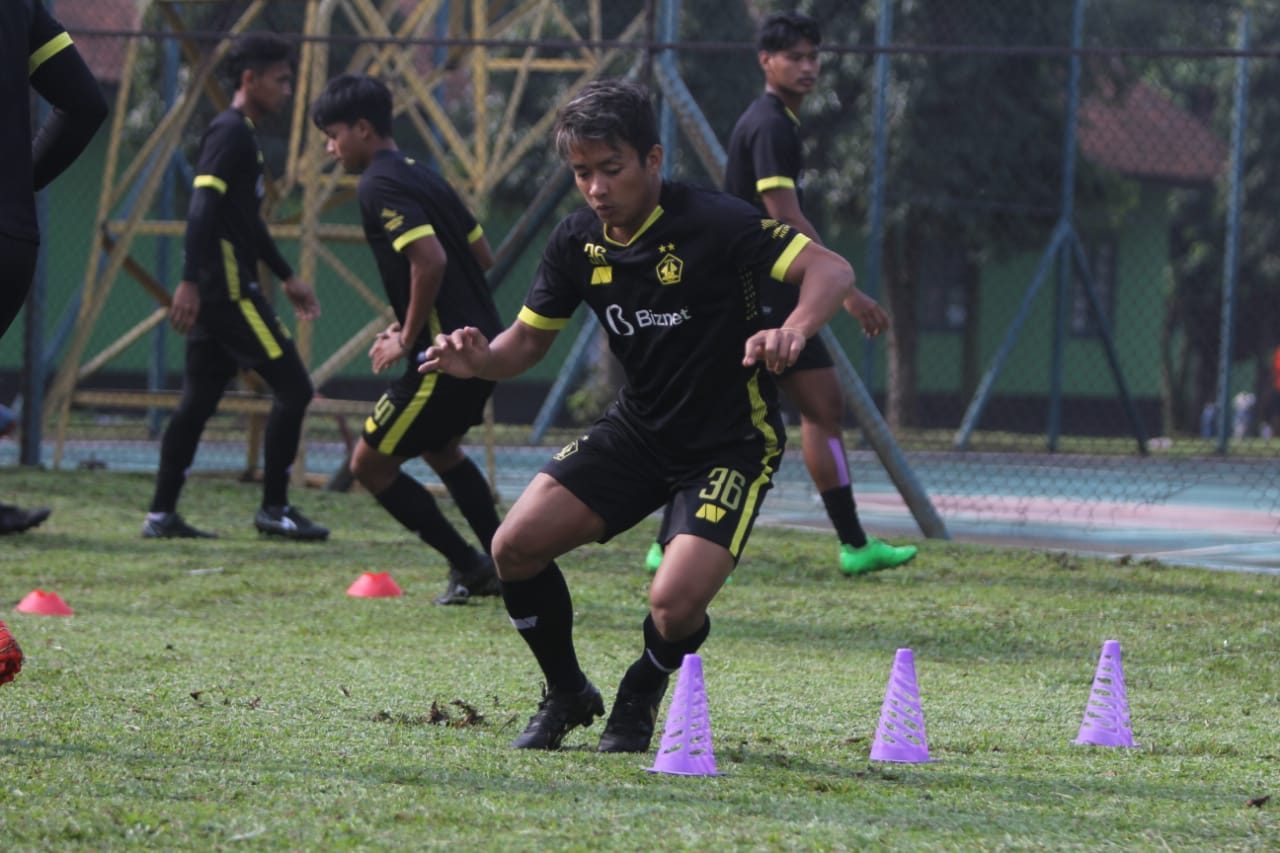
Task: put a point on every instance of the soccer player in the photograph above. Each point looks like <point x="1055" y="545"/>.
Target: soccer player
<point x="431" y="254"/>
<point x="764" y="168"/>
<point x="219" y="306"/>
<point x="35" y="52"/>
<point x="670" y="270"/>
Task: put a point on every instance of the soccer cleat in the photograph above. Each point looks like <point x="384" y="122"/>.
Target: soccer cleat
<point x="288" y="522"/>
<point x="654" y="558"/>
<point x="479" y="579"/>
<point x="873" y="557"/>
<point x="171" y="526"/>
<point x="631" y="722"/>
<point x="15" y="519"/>
<point x="558" y="712"/>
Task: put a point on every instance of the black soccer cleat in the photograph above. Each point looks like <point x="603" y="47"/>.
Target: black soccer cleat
<point x="558" y="712"/>
<point x="630" y="725"/>
<point x="171" y="526"/>
<point x="287" y="522"/>
<point x="15" y="519"/>
<point x="478" y="579"/>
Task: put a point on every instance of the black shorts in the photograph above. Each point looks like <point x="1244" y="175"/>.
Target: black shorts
<point x="716" y="496"/>
<point x="245" y="331"/>
<point x="777" y="300"/>
<point x="421" y="412"/>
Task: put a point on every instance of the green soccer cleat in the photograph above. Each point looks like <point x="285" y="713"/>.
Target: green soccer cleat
<point x="873" y="557"/>
<point x="654" y="558"/>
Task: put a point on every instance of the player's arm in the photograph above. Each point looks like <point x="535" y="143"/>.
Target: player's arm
<point x="480" y="248"/>
<point x="300" y="294"/>
<point x="466" y="353"/>
<point x="427" y="262"/>
<point x="199" y="251"/>
<point x="783" y="204"/>
<point x="825" y="280"/>
<point x="59" y="74"/>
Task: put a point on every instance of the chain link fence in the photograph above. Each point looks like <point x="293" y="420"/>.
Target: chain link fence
<point x="1064" y="205"/>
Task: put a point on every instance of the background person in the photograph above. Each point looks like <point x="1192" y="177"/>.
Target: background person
<point x="218" y="305"/>
<point x="431" y="255"/>
<point x="35" y="52"/>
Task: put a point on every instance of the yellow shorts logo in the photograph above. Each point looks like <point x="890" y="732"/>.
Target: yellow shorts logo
<point x="711" y="512"/>
<point x="566" y="451"/>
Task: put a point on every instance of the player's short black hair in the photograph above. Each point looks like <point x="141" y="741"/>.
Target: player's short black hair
<point x="611" y="111"/>
<point x="257" y="51"/>
<point x="348" y="98"/>
<point x="782" y="30"/>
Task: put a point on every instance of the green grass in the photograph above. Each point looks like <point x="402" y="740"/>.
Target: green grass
<point x="227" y="695"/>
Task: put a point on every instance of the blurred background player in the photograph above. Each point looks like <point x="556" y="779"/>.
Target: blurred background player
<point x="669" y="270"/>
<point x="35" y="52"/>
<point x="764" y="168"/>
<point x="431" y="255"/>
<point x="219" y="306"/>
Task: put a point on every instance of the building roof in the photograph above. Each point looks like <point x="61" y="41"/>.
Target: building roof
<point x="104" y="54"/>
<point x="1141" y="133"/>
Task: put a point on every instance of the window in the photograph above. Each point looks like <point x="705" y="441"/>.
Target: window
<point x="946" y="278"/>
<point x="1101" y="256"/>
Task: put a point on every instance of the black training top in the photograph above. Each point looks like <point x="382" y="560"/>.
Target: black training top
<point x="226" y="236"/>
<point x="678" y="302"/>
<point x="35" y="51"/>
<point x="764" y="151"/>
<point x="402" y="201"/>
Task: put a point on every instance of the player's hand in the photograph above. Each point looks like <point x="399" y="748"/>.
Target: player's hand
<point x="303" y="297"/>
<point x="184" y="307"/>
<point x="867" y="312"/>
<point x="776" y="349"/>
<point x="386" y="349"/>
<point x="10" y="655"/>
<point x="460" y="353"/>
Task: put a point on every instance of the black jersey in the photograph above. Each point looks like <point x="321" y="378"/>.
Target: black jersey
<point x="764" y="151"/>
<point x="401" y="201"/>
<point x="35" y="51"/>
<point x="226" y="236"/>
<point x="678" y="302"/>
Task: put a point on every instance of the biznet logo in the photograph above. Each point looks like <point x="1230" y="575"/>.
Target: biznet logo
<point x="619" y="324"/>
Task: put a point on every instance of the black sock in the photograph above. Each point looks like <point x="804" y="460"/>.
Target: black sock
<point x="542" y="611"/>
<point x="470" y="491"/>
<point x="660" y="658"/>
<point x="412" y="505"/>
<point x="844" y="515"/>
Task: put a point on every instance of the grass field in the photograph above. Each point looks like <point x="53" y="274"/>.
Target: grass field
<point x="228" y="695"/>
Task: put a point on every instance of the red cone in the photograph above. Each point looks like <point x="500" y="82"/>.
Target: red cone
<point x="374" y="585"/>
<point x="43" y="603"/>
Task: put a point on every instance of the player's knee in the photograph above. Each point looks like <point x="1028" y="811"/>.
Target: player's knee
<point x="512" y="554"/>
<point x="676" y="617"/>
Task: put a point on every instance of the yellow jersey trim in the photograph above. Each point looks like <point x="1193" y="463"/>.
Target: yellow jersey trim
<point x="653" y="217"/>
<point x="783" y="263"/>
<point x="476" y="234"/>
<point x="533" y="318"/>
<point x="409" y="236"/>
<point x="772" y="448"/>
<point x="231" y="269"/>
<point x="260" y="329"/>
<point x="211" y="181"/>
<point x="47" y="51"/>
<point x="777" y="183"/>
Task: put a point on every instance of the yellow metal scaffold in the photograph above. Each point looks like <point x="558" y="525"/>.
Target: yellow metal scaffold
<point x="487" y="49"/>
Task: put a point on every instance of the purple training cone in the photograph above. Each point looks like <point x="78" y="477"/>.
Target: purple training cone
<point x="686" y="742"/>
<point x="900" y="736"/>
<point x="1106" y="717"/>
